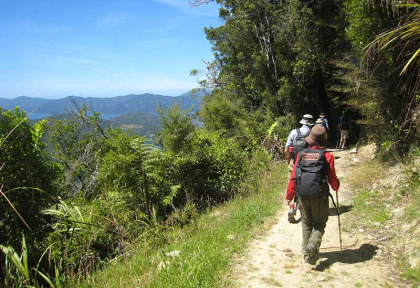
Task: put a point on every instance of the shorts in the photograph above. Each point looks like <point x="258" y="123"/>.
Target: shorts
<point x="345" y="134"/>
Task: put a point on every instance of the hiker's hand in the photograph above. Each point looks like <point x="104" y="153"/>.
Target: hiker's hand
<point x="288" y="201"/>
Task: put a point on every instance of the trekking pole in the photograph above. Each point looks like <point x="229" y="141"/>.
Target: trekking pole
<point x="339" y="224"/>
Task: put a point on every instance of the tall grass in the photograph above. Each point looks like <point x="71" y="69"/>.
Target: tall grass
<point x="199" y="254"/>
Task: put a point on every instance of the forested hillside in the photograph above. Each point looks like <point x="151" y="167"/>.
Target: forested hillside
<point x="89" y="198"/>
<point x="146" y="103"/>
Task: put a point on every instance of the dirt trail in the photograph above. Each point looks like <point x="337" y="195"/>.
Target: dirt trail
<point x="275" y="258"/>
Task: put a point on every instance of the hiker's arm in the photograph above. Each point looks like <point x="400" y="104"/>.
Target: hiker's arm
<point x="287" y="155"/>
<point x="289" y="141"/>
<point x="332" y="177"/>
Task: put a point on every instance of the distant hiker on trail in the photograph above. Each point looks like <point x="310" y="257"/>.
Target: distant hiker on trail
<point x="344" y="126"/>
<point x="325" y="125"/>
<point x="294" y="144"/>
<point x="312" y="172"/>
<point x="320" y="122"/>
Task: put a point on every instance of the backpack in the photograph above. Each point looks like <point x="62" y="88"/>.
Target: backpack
<point x="299" y="143"/>
<point x="324" y="124"/>
<point x="344" y="125"/>
<point x="311" y="173"/>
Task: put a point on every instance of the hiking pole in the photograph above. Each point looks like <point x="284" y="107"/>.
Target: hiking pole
<point x="339" y="224"/>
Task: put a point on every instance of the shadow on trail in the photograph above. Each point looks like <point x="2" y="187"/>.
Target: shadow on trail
<point x="343" y="209"/>
<point x="348" y="256"/>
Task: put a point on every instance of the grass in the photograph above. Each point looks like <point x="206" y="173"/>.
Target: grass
<point x="206" y="247"/>
<point x="370" y="206"/>
<point x="368" y="202"/>
<point x="366" y="174"/>
<point x="412" y="215"/>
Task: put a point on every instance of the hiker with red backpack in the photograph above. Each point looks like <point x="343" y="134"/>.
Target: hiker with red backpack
<point x="294" y="144"/>
<point x="312" y="172"/>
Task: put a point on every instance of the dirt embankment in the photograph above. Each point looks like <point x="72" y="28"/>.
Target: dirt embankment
<point x="275" y="258"/>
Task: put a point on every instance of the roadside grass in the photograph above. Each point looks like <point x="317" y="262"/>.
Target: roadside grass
<point x="371" y="205"/>
<point x="368" y="202"/>
<point x="363" y="176"/>
<point x="199" y="255"/>
<point x="411" y="272"/>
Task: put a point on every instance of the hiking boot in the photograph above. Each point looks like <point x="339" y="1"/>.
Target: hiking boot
<point x="310" y="250"/>
<point x="291" y="216"/>
<point x="310" y="260"/>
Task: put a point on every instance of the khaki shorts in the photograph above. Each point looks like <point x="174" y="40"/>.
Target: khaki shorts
<point x="345" y="134"/>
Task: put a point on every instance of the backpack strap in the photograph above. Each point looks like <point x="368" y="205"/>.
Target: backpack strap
<point x="299" y="133"/>
<point x="332" y="199"/>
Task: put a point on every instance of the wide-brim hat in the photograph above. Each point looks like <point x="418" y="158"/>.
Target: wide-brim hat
<point x="322" y="115"/>
<point x="317" y="137"/>
<point x="307" y="119"/>
<point x="319" y="121"/>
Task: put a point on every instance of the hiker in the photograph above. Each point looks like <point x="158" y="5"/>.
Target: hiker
<point x="297" y="134"/>
<point x="344" y="127"/>
<point x="320" y="122"/>
<point x="312" y="172"/>
<point x="325" y="120"/>
<point x="294" y="144"/>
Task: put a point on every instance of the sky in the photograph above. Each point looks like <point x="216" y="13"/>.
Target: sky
<point x="102" y="48"/>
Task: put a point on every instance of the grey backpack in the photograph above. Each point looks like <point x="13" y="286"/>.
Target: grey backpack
<point x="299" y="143"/>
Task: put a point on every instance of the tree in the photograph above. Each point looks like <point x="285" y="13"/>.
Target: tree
<point x="381" y="94"/>
<point x="402" y="42"/>
<point x="78" y="141"/>
<point x="276" y="55"/>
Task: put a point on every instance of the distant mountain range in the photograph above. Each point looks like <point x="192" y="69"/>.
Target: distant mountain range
<point x="131" y="112"/>
<point x="118" y="105"/>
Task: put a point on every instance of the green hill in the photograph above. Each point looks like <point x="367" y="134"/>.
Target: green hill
<point x="140" y="123"/>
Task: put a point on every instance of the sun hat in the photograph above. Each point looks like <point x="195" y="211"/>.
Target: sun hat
<point x="317" y="137"/>
<point x="322" y="115"/>
<point x="319" y="121"/>
<point x="307" y="119"/>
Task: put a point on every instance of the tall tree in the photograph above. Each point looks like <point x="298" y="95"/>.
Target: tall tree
<point x="274" y="54"/>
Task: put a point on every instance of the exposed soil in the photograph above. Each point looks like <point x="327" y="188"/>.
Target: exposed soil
<point x="275" y="258"/>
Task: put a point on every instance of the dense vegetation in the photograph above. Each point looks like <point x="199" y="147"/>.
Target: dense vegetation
<point x="82" y="202"/>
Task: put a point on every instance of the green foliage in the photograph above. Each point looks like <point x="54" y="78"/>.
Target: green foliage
<point x="205" y="248"/>
<point x="275" y="55"/>
<point x="209" y="174"/>
<point x="224" y="114"/>
<point x="26" y="177"/>
<point x="366" y="20"/>
<point x="18" y="273"/>
<point x="73" y="241"/>
<point x="177" y="133"/>
<point x="381" y="94"/>
<point x="78" y="144"/>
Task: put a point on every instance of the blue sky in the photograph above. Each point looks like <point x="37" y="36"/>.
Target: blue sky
<point x="101" y="48"/>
